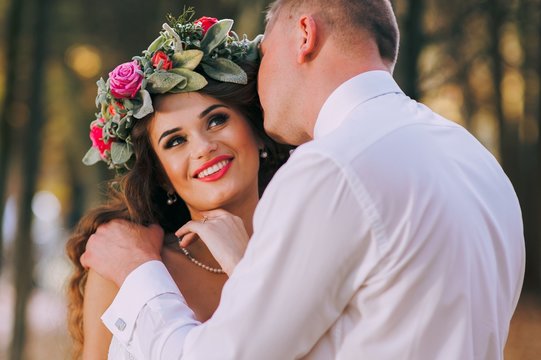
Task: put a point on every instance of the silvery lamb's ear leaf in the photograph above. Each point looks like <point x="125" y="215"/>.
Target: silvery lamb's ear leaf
<point x="146" y="107"/>
<point x="216" y="35"/>
<point x="177" y="43"/>
<point x="225" y="70"/>
<point x="92" y="156"/>
<point x="120" y="152"/>
<point x="102" y="92"/>
<point x="253" y="51"/>
<point x="188" y="59"/>
<point x="195" y="82"/>
<point x="156" y="44"/>
<point x="162" y="81"/>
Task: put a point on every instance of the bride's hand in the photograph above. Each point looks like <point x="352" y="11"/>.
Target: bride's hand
<point x="222" y="232"/>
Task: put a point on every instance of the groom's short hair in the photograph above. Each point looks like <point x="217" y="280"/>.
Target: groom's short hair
<point x="347" y="17"/>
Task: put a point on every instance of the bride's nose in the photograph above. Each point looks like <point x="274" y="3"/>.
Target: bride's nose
<point x="202" y="146"/>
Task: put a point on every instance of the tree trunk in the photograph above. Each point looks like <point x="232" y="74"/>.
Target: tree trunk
<point x="508" y="130"/>
<point x="410" y="50"/>
<point x="530" y="30"/>
<point x="76" y="147"/>
<point x="30" y="168"/>
<point x="12" y="49"/>
<point x="537" y="249"/>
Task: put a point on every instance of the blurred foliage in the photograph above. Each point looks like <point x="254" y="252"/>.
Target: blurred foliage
<point x="476" y="62"/>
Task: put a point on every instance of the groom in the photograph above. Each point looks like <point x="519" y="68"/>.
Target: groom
<point x="391" y="233"/>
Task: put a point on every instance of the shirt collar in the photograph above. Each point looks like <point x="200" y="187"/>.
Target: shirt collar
<point x="349" y="95"/>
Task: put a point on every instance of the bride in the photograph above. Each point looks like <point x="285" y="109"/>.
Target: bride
<point x="183" y="127"/>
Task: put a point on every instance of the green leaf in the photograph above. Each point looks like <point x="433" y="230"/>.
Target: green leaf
<point x="162" y="81"/>
<point x="102" y="92"/>
<point x="128" y="104"/>
<point x="146" y="107"/>
<point x="253" y="52"/>
<point x="195" y="81"/>
<point x="156" y="44"/>
<point x="234" y="35"/>
<point x="92" y="156"/>
<point x="225" y="70"/>
<point x="188" y="59"/>
<point x="115" y="119"/>
<point x="216" y="35"/>
<point x="101" y="99"/>
<point x="124" y="126"/>
<point x="120" y="152"/>
<point x="102" y="85"/>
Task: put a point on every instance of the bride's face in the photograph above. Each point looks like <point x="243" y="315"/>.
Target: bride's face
<point x="208" y="151"/>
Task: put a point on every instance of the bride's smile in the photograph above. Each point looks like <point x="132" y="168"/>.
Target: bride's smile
<point x="214" y="169"/>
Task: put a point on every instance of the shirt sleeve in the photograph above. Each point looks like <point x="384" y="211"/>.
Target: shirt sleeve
<point x="308" y="256"/>
<point x="149" y="313"/>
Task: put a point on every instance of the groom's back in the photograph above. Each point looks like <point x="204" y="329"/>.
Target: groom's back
<point x="449" y="231"/>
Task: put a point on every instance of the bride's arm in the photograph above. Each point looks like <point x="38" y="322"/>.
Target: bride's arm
<point x="99" y="294"/>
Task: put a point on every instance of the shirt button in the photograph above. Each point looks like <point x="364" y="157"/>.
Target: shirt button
<point x="120" y="324"/>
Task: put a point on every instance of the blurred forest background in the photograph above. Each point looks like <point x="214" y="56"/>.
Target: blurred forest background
<point x="477" y="62"/>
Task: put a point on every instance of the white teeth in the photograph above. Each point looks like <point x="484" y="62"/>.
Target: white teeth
<point x="213" y="169"/>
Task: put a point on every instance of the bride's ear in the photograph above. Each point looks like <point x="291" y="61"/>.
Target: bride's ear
<point x="162" y="179"/>
<point x="164" y="182"/>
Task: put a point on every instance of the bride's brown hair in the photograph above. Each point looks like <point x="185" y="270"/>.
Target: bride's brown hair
<point x="138" y="196"/>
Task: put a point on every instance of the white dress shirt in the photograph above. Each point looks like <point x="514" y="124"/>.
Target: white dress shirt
<point x="394" y="234"/>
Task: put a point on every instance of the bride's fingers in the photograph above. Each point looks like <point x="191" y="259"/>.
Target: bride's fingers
<point x="188" y="239"/>
<point x="189" y="227"/>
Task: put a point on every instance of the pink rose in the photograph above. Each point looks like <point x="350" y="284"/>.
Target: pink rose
<point x="206" y="22"/>
<point x="161" y="56"/>
<point x="125" y="80"/>
<point x="96" y="135"/>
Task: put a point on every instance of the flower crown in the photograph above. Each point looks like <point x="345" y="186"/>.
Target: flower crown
<point x="173" y="63"/>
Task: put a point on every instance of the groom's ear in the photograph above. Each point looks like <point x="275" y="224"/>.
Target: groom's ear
<point x="308" y="38"/>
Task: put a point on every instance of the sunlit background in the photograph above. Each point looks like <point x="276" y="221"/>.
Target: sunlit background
<point x="476" y="62"/>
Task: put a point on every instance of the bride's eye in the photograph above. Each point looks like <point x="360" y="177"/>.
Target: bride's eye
<point x="175" y="141"/>
<point x="217" y="120"/>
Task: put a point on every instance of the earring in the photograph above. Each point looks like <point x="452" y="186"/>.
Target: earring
<point x="263" y="153"/>
<point x="171" y="198"/>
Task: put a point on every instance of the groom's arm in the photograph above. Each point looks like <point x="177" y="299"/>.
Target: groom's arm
<point x="309" y="253"/>
<point x="149" y="315"/>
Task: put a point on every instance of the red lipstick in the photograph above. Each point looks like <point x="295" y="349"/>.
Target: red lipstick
<point x="218" y="174"/>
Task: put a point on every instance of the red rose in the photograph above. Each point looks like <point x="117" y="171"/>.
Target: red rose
<point x="112" y="108"/>
<point x="161" y="56"/>
<point x="206" y="22"/>
<point x="96" y="135"/>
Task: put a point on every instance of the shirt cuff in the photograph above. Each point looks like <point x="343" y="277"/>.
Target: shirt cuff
<point x="146" y="282"/>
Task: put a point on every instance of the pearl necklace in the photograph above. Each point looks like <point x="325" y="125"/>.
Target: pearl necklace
<point x="200" y="264"/>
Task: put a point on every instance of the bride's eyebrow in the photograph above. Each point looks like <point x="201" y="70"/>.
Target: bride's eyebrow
<point x="167" y="132"/>
<point x="210" y="108"/>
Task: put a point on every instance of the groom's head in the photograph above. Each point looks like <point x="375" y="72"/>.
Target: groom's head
<point x="311" y="47"/>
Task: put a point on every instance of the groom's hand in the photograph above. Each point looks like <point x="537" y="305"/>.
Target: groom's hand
<point x="119" y="247"/>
